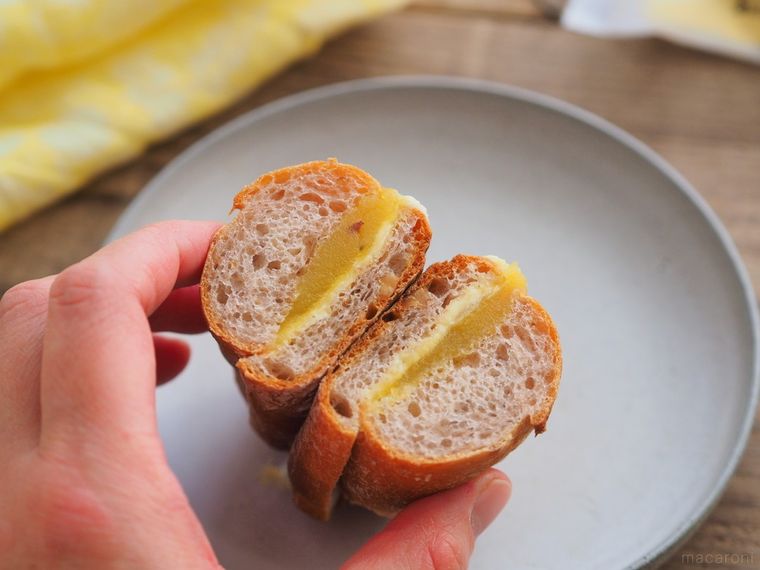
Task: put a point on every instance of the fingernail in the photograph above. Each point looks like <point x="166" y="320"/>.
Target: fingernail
<point x="492" y="497"/>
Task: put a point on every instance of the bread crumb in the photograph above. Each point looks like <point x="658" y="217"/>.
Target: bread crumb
<point x="274" y="476"/>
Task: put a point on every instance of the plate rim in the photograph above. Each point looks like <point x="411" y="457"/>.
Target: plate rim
<point x="548" y="102"/>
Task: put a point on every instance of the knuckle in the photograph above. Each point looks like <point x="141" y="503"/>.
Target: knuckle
<point x="23" y="298"/>
<point x="80" y="284"/>
<point x="155" y="229"/>
<point x="163" y="225"/>
<point x="159" y="230"/>
<point x="445" y="552"/>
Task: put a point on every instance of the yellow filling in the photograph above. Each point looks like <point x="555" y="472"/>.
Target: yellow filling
<point x="470" y="317"/>
<point x="358" y="240"/>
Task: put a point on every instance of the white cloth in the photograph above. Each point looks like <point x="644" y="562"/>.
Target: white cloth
<point x="721" y="26"/>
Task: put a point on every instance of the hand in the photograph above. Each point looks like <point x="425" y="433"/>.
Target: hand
<point x="84" y="480"/>
<point x="438" y="532"/>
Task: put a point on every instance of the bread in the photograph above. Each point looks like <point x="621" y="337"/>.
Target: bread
<point x="452" y="378"/>
<point x="416" y="393"/>
<point x="314" y="256"/>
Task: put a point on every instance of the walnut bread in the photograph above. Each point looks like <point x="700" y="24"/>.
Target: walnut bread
<point x="385" y="384"/>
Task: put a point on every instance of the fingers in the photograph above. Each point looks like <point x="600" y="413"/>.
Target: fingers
<point x="172" y="355"/>
<point x="438" y="532"/>
<point x="180" y="312"/>
<point x="98" y="365"/>
<point x="22" y="324"/>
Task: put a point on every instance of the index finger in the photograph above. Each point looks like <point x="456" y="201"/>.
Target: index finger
<point x="98" y="364"/>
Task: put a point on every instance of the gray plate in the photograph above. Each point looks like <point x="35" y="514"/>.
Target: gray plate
<point x="655" y="311"/>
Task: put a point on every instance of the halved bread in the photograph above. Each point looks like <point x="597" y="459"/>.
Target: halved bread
<point x="451" y="379"/>
<point x="315" y="254"/>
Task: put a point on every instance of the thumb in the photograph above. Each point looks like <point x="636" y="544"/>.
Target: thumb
<point x="437" y="532"/>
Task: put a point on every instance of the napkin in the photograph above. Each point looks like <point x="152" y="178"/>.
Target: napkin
<point x="86" y="85"/>
<point x="728" y="27"/>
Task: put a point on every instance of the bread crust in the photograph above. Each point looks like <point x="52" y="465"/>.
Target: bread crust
<point x="366" y="183"/>
<point x="279" y="407"/>
<point x="372" y="474"/>
<point x="384" y="480"/>
<point x="318" y="457"/>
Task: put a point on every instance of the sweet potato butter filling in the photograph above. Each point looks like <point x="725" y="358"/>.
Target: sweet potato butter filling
<point x="467" y="319"/>
<point x="357" y="240"/>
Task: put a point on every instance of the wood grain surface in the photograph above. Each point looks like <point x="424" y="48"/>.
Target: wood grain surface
<point x="701" y="112"/>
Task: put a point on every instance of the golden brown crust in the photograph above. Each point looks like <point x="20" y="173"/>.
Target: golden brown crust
<point x="376" y="476"/>
<point x="231" y="348"/>
<point x="318" y="456"/>
<point x="343" y="175"/>
<point x="279" y="407"/>
<point x="542" y="321"/>
<point x="383" y="481"/>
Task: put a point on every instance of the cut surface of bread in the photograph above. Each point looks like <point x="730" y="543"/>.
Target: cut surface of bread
<point x="315" y="254"/>
<point x="445" y="384"/>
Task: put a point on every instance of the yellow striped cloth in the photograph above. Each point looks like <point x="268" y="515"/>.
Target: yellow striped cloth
<point x="87" y="84"/>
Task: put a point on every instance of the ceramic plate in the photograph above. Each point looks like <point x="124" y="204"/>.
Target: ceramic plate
<point x="655" y="313"/>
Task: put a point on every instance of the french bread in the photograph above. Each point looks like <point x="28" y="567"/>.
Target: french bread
<point x="450" y="379"/>
<point x="313" y="257"/>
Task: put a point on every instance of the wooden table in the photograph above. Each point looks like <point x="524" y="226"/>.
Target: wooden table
<point x="701" y="112"/>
